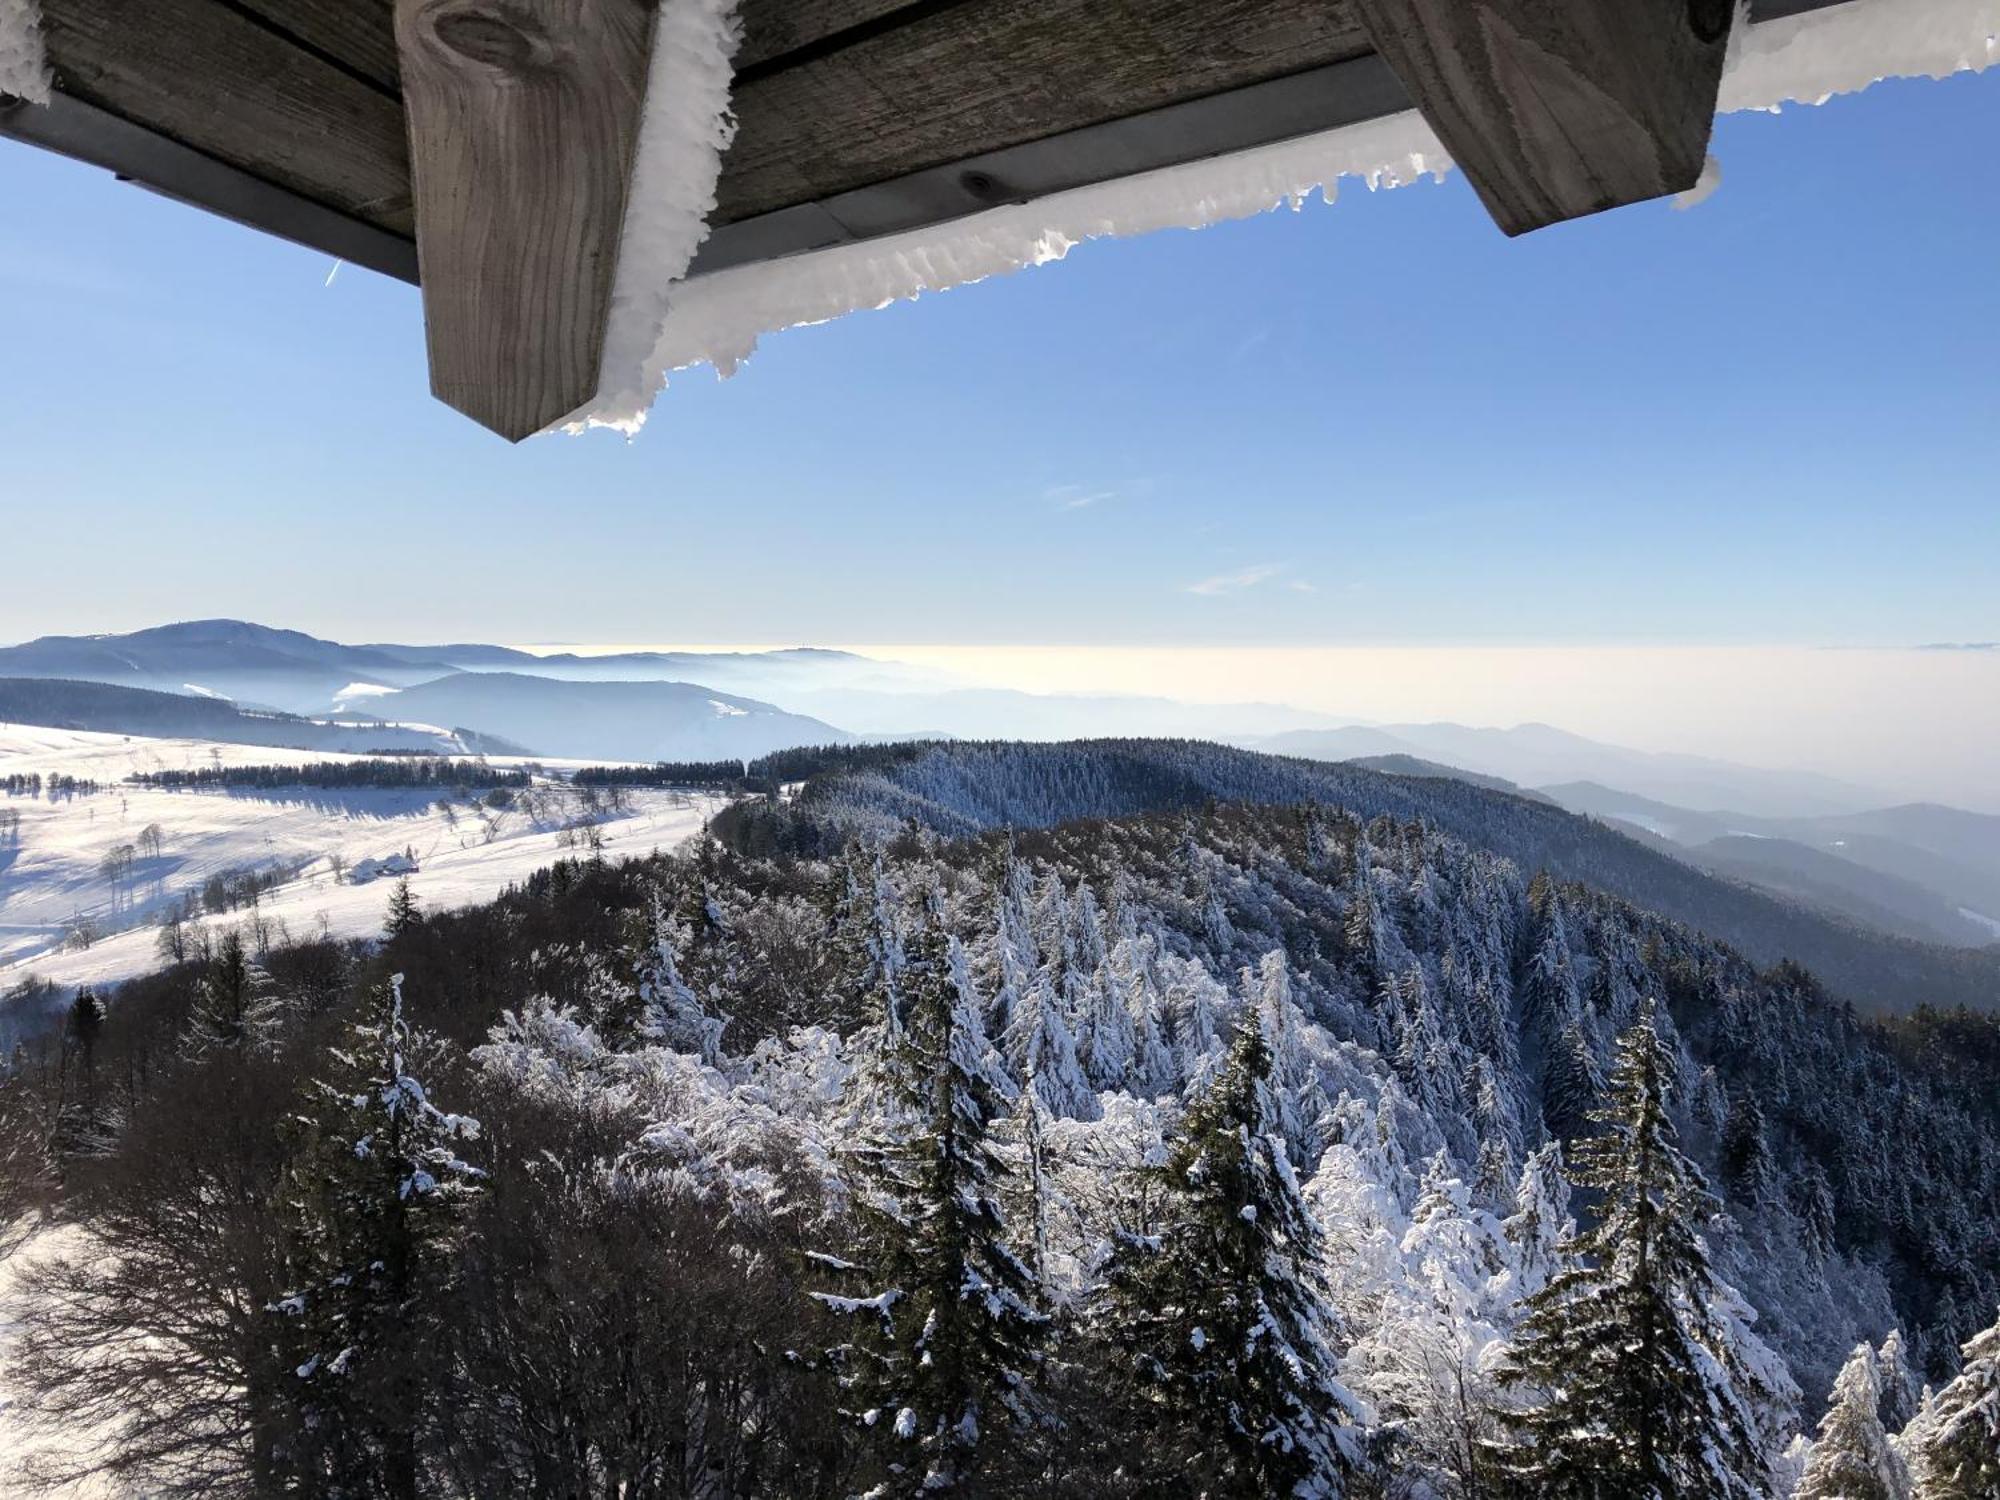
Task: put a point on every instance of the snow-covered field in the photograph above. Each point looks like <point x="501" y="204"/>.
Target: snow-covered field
<point x="52" y="879"/>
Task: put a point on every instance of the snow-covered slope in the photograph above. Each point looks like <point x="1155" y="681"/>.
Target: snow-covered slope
<point x="635" y="721"/>
<point x="54" y="885"/>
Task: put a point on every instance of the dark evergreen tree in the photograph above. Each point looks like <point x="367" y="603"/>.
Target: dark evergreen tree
<point x="1572" y="1085"/>
<point x="1223" y="1313"/>
<point x="949" y="1336"/>
<point x="1747" y="1169"/>
<point x="236" y="1006"/>
<point x="404" y="913"/>
<point x="1637" y="1389"/>
<point x="86" y="1023"/>
<point x="373" y="1204"/>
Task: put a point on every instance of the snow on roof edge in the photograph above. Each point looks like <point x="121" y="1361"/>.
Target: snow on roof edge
<point x="717" y="319"/>
<point x="1842" y="49"/>
<point x="24" y="69"/>
<point x="684" y="129"/>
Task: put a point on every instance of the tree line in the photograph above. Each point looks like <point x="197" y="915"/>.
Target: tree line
<point x="400" y="771"/>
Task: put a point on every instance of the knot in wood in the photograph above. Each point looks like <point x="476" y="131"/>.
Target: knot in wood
<point x="492" y="35"/>
<point x="1709" y="19"/>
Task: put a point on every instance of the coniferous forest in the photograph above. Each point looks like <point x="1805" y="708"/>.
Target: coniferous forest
<point x="1274" y="1144"/>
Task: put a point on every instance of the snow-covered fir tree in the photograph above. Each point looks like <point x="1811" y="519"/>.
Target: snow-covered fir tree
<point x="1041" y="1049"/>
<point x="945" y="1318"/>
<point x="1902" y="1392"/>
<point x="1540" y="1225"/>
<point x="669" y="1010"/>
<point x="1634" y="1387"/>
<point x="1955" y="1451"/>
<point x="1852" y="1458"/>
<point x="1223" y="1310"/>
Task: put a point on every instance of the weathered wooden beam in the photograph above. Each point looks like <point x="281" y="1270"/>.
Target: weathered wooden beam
<point x="524" y="120"/>
<point x="1560" y="108"/>
<point x="214" y="80"/>
<point x="958" y="81"/>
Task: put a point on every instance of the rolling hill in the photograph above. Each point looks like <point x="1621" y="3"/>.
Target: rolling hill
<point x="634" y="721"/>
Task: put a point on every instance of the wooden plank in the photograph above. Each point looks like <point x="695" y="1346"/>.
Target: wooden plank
<point x="203" y="75"/>
<point x="1259" y="114"/>
<point x="358" y="35"/>
<point x="980" y="77"/>
<point x="1560" y="108"/>
<point x="773" y="28"/>
<point x="524" y="120"/>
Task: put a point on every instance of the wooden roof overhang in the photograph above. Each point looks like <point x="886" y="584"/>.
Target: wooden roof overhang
<point x="862" y="118"/>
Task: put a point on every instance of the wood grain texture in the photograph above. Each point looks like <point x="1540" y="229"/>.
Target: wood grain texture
<point x="359" y="34"/>
<point x="771" y="28"/>
<point x="524" y="120"/>
<point x="1560" y="108"/>
<point x="206" y="76"/>
<point x="997" y="73"/>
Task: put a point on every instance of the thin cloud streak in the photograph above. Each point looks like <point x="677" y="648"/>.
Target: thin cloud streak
<point x="1236" y="581"/>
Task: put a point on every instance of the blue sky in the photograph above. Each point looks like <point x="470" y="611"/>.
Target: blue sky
<point x="1772" y="419"/>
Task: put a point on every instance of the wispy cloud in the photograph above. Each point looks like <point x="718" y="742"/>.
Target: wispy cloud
<point x="1237" y="580"/>
<point x="1083" y="496"/>
<point x="1076" y="497"/>
<point x="1960" y="646"/>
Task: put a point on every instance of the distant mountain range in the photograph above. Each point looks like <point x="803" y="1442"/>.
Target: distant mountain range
<point x="1538" y="755"/>
<point x="1923" y="872"/>
<point x="1919" y="869"/>
<point x="254" y="666"/>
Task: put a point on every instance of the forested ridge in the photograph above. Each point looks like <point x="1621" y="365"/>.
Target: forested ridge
<point x="962" y="788"/>
<point x="1215" y="1149"/>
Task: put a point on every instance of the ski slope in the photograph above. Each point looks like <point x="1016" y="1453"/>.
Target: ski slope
<point x="52" y="881"/>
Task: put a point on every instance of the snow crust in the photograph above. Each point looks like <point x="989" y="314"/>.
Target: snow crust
<point x="24" y="71"/>
<point x="1842" y="49"/>
<point x="683" y="132"/>
<point x="717" y="319"/>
